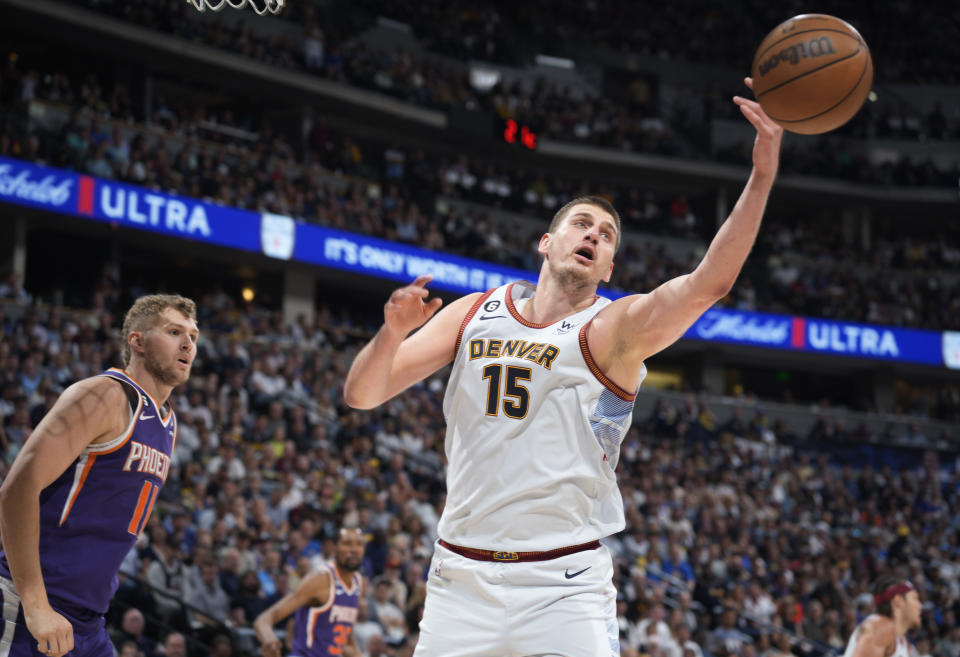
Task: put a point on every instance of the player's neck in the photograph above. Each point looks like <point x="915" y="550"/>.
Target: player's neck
<point x="345" y="575"/>
<point x="553" y="301"/>
<point x="159" y="391"/>
<point x="900" y="627"/>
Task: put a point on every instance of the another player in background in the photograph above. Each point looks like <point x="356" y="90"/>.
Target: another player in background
<point x="325" y="603"/>
<point x="83" y="486"/>
<point x="539" y="399"/>
<point x="884" y="632"/>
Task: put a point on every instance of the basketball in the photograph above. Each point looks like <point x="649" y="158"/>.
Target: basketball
<point x="812" y="73"/>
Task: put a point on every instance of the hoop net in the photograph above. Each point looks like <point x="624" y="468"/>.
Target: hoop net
<point x="262" y="7"/>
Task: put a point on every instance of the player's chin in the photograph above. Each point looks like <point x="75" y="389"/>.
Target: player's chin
<point x="180" y="375"/>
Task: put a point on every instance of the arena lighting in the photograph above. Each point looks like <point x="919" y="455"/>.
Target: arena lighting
<point x="248" y="294"/>
<point x="556" y="62"/>
<point x="484" y="79"/>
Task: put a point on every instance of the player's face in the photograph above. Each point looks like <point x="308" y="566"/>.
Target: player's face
<point x="582" y="247"/>
<point x="350" y="546"/>
<point x="912" y="608"/>
<point x="170" y="348"/>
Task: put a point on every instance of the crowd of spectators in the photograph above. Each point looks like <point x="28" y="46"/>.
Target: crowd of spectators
<point x="742" y="538"/>
<point x="801" y="265"/>
<point x="805" y="265"/>
<point x="684" y="31"/>
<point x="513" y="33"/>
<point x="323" y="42"/>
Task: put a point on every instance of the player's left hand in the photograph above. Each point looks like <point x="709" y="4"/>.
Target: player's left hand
<point x="53" y="632"/>
<point x="766" y="147"/>
<point x="272" y="648"/>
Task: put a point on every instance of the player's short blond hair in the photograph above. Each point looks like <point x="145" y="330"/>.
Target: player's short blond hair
<point x="596" y="201"/>
<point x="145" y="313"/>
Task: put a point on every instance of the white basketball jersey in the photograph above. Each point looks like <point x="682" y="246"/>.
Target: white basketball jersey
<point x="902" y="649"/>
<point x="533" y="431"/>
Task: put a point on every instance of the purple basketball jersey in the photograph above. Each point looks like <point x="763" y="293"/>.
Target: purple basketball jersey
<point x="322" y="631"/>
<point x="91" y="515"/>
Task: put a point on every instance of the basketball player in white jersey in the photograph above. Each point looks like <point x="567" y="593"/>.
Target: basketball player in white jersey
<point x="539" y="399"/>
<point x="884" y="633"/>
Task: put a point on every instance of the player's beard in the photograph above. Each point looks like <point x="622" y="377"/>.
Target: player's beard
<point x="168" y="376"/>
<point x="350" y="563"/>
<point x="571" y="276"/>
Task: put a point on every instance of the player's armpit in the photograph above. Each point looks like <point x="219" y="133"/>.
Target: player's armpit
<point x="633" y="328"/>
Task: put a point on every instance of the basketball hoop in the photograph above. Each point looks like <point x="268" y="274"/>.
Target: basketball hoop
<point x="269" y="6"/>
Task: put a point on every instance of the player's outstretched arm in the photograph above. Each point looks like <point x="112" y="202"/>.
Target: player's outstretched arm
<point x="314" y="589"/>
<point x="642" y="325"/>
<point x="392" y="362"/>
<point x="87" y="411"/>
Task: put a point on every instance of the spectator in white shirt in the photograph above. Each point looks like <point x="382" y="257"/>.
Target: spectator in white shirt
<point x="386" y="613"/>
<point x="660" y="632"/>
<point x="759" y="604"/>
<point x="365" y="628"/>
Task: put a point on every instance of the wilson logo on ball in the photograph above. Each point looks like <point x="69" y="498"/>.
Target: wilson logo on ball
<point x="815" y="47"/>
<point x="812" y="73"/>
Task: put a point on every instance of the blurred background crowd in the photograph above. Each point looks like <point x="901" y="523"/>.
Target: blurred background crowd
<point x="748" y="533"/>
<point x="803" y="264"/>
<point x="742" y="537"/>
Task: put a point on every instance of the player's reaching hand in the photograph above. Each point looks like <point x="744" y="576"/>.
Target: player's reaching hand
<point x="53" y="632"/>
<point x="271" y="647"/>
<point x="405" y="310"/>
<point x="766" y="147"/>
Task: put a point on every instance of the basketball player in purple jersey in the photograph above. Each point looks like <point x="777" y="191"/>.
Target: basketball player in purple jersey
<point x="83" y="486"/>
<point x="325" y="603"/>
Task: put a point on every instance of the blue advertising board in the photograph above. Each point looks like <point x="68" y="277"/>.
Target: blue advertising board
<point x="127" y="205"/>
<point x="277" y="236"/>
<point x="399" y="262"/>
<point x="819" y="336"/>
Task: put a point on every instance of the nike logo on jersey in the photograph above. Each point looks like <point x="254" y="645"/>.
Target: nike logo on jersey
<point x="570" y="575"/>
<point x="146" y="417"/>
<point x="482" y="317"/>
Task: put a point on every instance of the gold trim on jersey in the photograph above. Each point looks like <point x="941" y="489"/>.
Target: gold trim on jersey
<point x="597" y="372"/>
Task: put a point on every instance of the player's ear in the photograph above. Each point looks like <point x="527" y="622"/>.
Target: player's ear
<point x="135" y="341"/>
<point x="544" y="243"/>
<point x="606" y="279"/>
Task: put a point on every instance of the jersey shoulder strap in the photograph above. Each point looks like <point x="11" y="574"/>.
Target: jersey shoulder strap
<point x="133" y="395"/>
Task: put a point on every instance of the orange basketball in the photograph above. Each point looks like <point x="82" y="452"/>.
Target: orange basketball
<point x="812" y="73"/>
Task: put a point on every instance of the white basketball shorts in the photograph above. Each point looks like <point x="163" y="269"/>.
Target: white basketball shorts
<point x="564" y="607"/>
